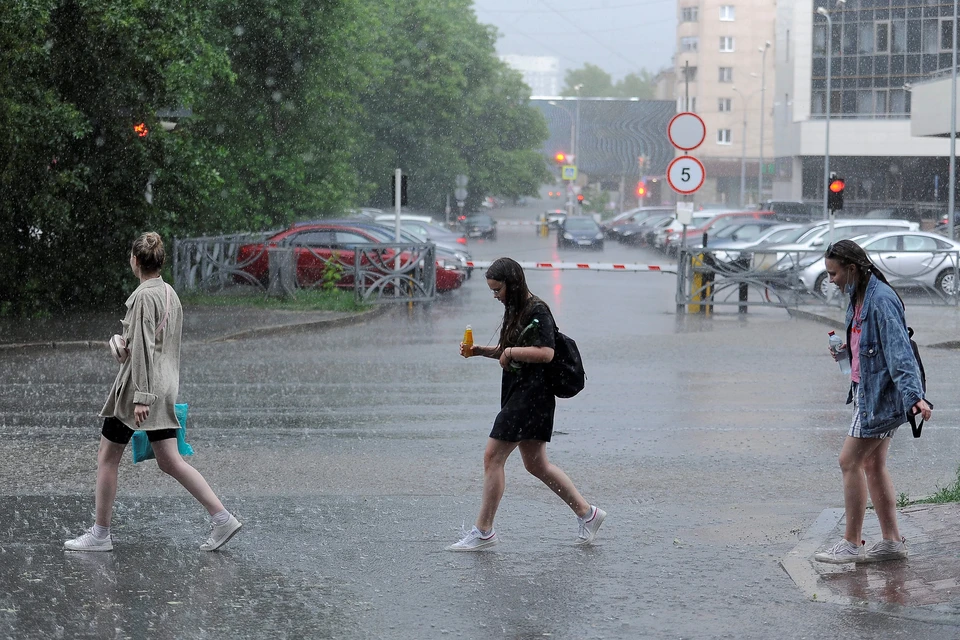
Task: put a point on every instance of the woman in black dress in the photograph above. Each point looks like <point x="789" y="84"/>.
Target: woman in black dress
<point x="527" y="406"/>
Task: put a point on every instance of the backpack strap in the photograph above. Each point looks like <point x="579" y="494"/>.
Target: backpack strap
<point x="912" y="417"/>
<point x="166" y="312"/>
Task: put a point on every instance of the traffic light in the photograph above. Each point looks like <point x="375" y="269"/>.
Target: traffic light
<point x="835" y="194"/>
<point x="641" y="189"/>
<point x="580" y="198"/>
<point x="561" y="157"/>
<point x="141" y="130"/>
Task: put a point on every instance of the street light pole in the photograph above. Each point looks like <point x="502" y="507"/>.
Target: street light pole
<point x="951" y="200"/>
<point x="763" y="88"/>
<point x="576" y="139"/>
<point x="826" y="155"/>
<point x="573" y="142"/>
<point x="743" y="150"/>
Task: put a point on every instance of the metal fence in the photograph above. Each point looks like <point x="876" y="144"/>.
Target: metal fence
<point x="707" y="279"/>
<point x="388" y="272"/>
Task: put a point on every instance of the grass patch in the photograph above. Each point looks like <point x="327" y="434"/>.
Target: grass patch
<point x="305" y="300"/>
<point x="950" y="493"/>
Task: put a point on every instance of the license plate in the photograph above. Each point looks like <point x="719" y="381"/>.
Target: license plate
<point x="474" y="234"/>
<point x="583" y="242"/>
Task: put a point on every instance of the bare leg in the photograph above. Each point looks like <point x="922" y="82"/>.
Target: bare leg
<point x="494" y="480"/>
<point x="881" y="490"/>
<point x="535" y="460"/>
<point x="852" y="457"/>
<point x="108" y="468"/>
<point x="172" y="463"/>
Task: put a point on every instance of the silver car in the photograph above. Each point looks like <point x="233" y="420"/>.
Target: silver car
<point x="909" y="259"/>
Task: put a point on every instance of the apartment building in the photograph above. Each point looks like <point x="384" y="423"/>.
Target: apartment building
<point x="541" y="73"/>
<point x="878" y="50"/>
<point x="724" y="72"/>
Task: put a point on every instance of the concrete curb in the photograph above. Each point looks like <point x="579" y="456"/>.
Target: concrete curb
<point x="280" y="329"/>
<point x="256" y="332"/>
<point x="799" y="565"/>
<point x="808" y="315"/>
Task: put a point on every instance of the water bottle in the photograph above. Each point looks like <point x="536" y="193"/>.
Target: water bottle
<point x="468" y="339"/>
<point x="835" y="347"/>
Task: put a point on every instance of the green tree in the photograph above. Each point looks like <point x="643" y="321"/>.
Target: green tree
<point x="635" y="85"/>
<point x="594" y="82"/>
<point x="78" y="75"/>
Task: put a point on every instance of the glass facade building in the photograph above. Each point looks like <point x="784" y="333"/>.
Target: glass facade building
<point x="878" y="49"/>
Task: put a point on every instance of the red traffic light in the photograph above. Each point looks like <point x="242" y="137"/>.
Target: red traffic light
<point x="836" y="185"/>
<point x="141" y="130"/>
<point x="579" y="197"/>
<point x="560" y="157"/>
<point x="641" y="189"/>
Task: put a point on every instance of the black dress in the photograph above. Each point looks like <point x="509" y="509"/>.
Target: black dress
<point x="526" y="404"/>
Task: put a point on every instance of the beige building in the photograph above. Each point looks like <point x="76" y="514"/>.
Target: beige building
<point x="724" y="70"/>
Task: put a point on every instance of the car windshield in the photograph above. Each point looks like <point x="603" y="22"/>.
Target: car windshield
<point x="580" y="224"/>
<point x="780" y="235"/>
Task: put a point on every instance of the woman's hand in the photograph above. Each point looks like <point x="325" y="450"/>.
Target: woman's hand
<point x="467" y="351"/>
<point x="140" y="413"/>
<point x="505" y="358"/>
<point x="840" y="352"/>
<point x="923" y="409"/>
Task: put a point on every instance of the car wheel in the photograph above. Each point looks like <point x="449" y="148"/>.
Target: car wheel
<point x="823" y="288"/>
<point x="947" y="282"/>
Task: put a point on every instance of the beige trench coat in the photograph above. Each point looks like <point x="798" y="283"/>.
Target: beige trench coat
<point x="151" y="375"/>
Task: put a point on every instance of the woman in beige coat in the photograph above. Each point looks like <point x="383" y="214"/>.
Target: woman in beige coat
<point x="143" y="397"/>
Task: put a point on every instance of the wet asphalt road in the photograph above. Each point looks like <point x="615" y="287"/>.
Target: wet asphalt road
<point x="353" y="457"/>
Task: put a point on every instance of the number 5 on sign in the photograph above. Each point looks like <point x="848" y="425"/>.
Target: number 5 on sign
<point x="685" y="174"/>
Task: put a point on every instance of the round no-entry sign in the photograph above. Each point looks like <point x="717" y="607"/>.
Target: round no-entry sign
<point x="685" y="174"/>
<point x="686" y="131"/>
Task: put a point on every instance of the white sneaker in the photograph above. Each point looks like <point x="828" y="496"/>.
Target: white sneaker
<point x="842" y="553"/>
<point x="474" y="540"/>
<point x="886" y="550"/>
<point x="89" y="542"/>
<point x="221" y="534"/>
<point x="589" y="527"/>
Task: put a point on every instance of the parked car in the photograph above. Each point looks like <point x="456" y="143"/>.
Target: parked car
<point x="907" y="259"/>
<point x="737" y="252"/>
<point x="480" y="225"/>
<point x="791" y="210"/>
<point x="815" y="237"/>
<point x="741" y="230"/>
<point x="894" y="213"/>
<point x="429" y="232"/>
<point x="634" y="233"/>
<point x="611" y="228"/>
<point x="316" y="243"/>
<point x="554" y="217"/>
<point x="713" y="224"/>
<point x="580" y="232"/>
<point x="660" y="234"/>
<point x="450" y="256"/>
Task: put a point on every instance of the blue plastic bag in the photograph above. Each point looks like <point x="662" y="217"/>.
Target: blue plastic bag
<point x="141" y="444"/>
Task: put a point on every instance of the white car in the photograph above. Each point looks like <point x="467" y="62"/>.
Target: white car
<point x="814" y="238"/>
<point x="909" y="259"/>
<point x="731" y="250"/>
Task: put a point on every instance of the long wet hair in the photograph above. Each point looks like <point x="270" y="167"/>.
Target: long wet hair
<point x="848" y="252"/>
<point x="518" y="300"/>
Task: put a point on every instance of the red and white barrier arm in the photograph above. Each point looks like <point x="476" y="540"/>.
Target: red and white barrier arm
<point x="582" y="266"/>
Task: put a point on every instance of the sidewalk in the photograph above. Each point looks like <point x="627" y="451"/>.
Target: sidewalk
<point x="926" y="586"/>
<point x="201" y="324"/>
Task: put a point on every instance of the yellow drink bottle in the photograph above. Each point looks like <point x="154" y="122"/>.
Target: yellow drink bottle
<point x="468" y="339"/>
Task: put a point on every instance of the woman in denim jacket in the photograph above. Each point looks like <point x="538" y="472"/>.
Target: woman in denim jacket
<point x="885" y="385"/>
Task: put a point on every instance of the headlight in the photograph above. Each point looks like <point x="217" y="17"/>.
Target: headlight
<point x="567" y="236"/>
<point x="599" y="236"/>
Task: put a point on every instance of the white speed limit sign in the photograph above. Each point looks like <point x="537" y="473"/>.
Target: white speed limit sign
<point x="685" y="174"/>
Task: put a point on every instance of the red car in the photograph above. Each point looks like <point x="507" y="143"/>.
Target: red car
<point x="323" y="240"/>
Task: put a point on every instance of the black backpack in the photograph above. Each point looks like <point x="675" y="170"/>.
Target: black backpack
<point x="923" y="383"/>
<point x="565" y="374"/>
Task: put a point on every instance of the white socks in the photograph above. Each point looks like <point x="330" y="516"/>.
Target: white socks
<point x="220" y="517"/>
<point x="101" y="533"/>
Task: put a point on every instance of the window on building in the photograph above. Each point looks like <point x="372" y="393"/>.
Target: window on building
<point x="683" y="106"/>
<point x="820" y="40"/>
<point x="723" y="136"/>
<point x="691" y="73"/>
<point x="882" y="40"/>
<point x="865" y="37"/>
<point x="727" y="13"/>
<point x="946" y="34"/>
<point x="725" y="104"/>
<point x="726" y="44"/>
<point x="689" y="14"/>
<point x="726" y="74"/>
<point x="898" y="36"/>
<point x="931" y="35"/>
<point x="689" y="43"/>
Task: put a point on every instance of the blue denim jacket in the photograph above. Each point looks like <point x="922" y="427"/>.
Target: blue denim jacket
<point x="889" y="376"/>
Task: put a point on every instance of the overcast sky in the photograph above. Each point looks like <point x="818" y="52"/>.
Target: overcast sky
<point x="619" y="36"/>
